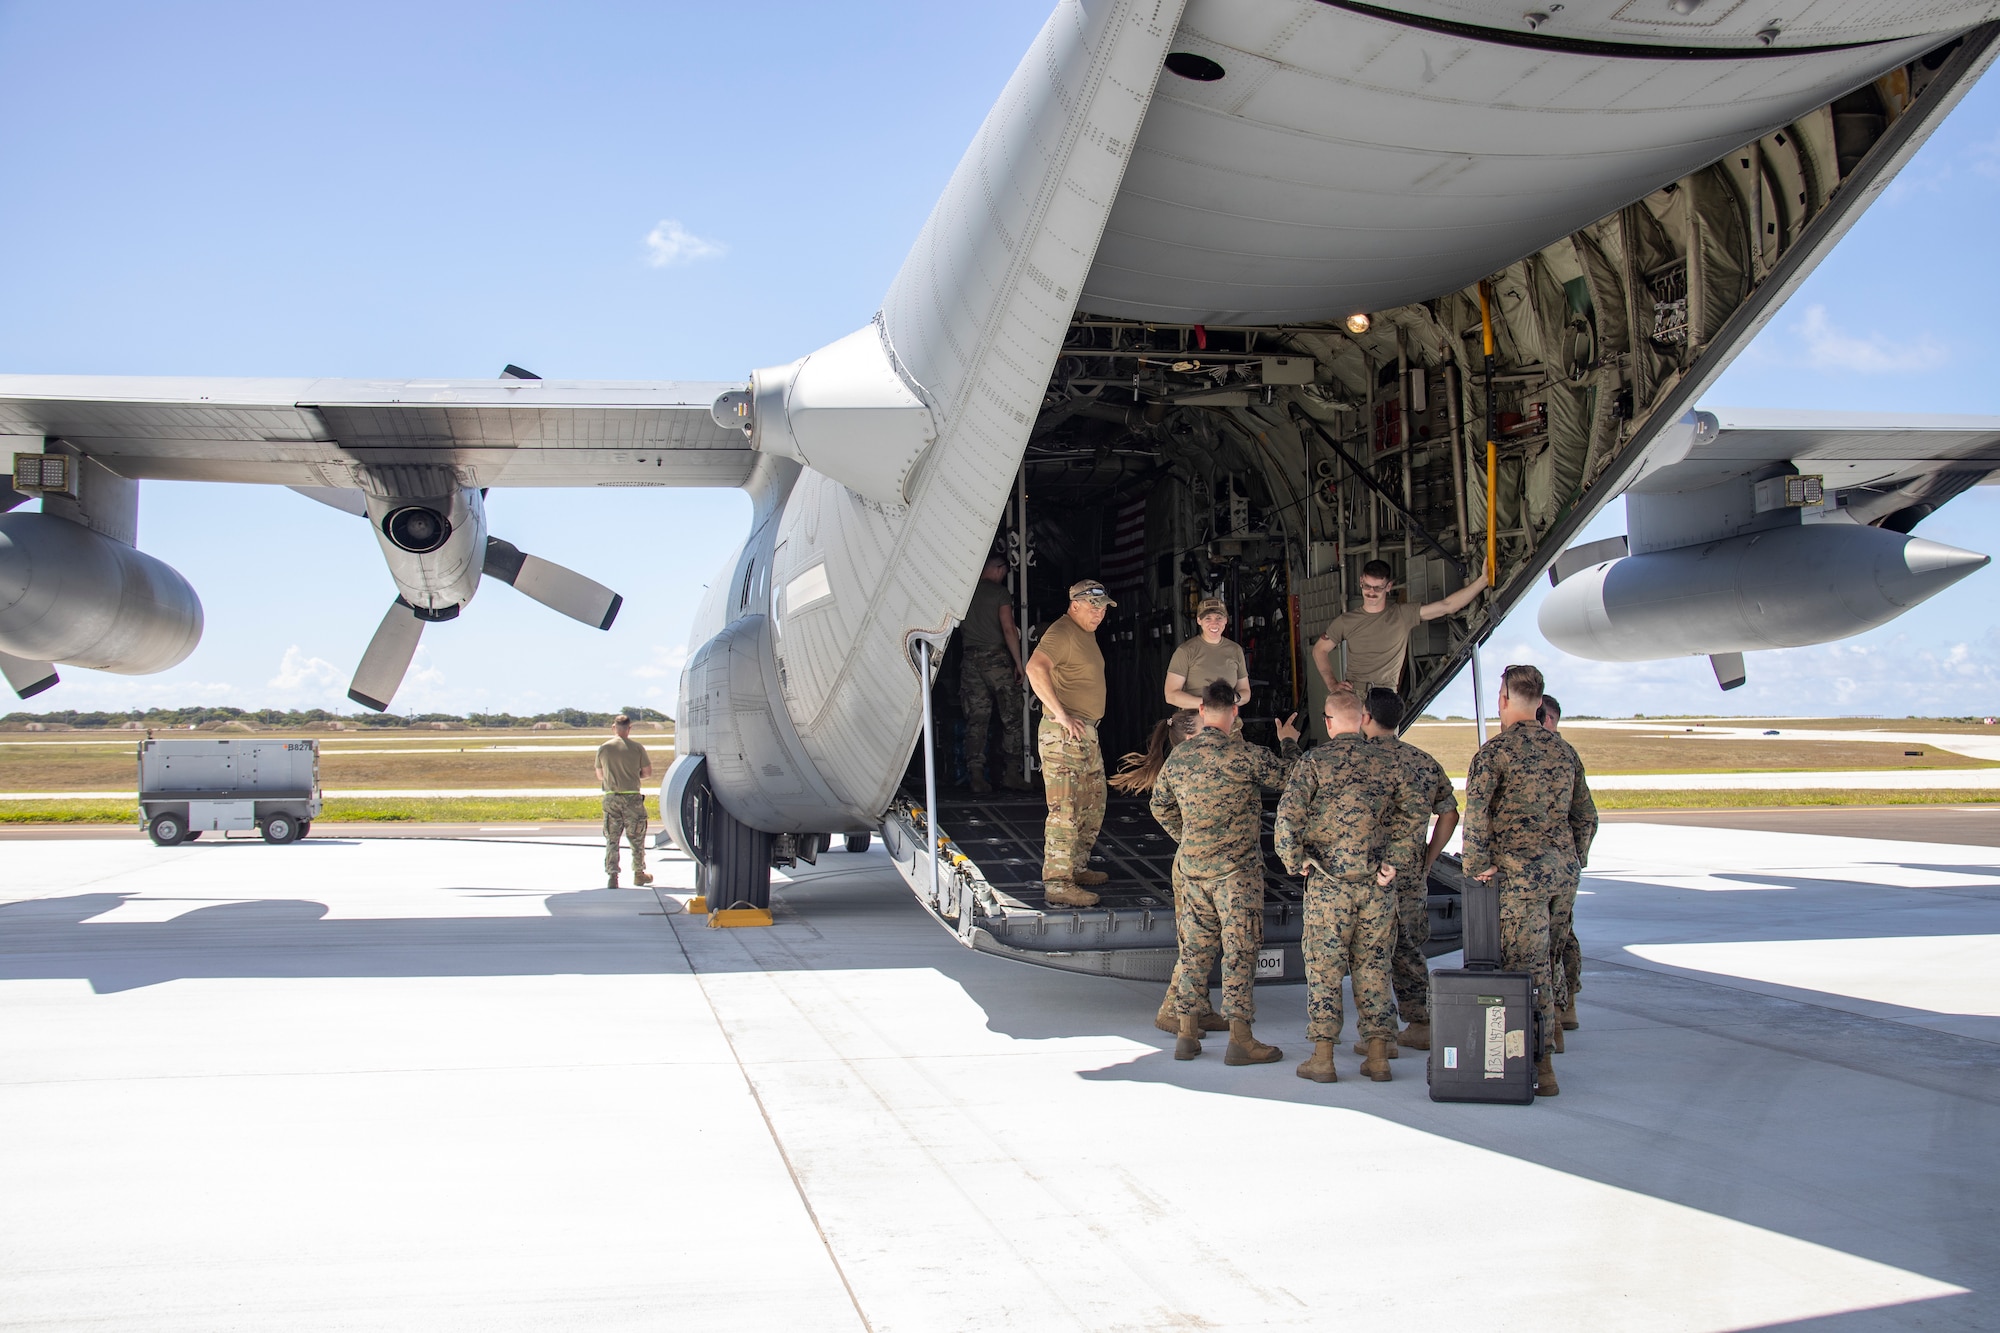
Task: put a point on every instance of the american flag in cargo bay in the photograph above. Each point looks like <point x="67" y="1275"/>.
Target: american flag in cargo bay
<point x="1125" y="557"/>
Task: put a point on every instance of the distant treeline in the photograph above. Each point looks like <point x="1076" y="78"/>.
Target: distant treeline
<point x="311" y="717"/>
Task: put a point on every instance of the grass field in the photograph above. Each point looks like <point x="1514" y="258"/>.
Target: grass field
<point x="351" y="810"/>
<point x="424" y="758"/>
<point x="83" y="761"/>
<point x="1682" y="747"/>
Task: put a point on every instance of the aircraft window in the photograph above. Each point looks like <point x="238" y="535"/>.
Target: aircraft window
<point x="1191" y="66"/>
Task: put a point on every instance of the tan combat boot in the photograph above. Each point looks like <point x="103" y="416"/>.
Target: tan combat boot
<point x="1188" y="1044"/>
<point x="1245" y="1049"/>
<point x="1417" y="1036"/>
<point x="1013" y="781"/>
<point x="1361" y="1048"/>
<point x="1545" y="1077"/>
<point x="1170" y="1022"/>
<point x="1376" y="1066"/>
<point x="612" y="881"/>
<point x="1090" y="877"/>
<point x="641" y="878"/>
<point x="1569" y="1017"/>
<point x="1556" y="1044"/>
<point x="1319" y="1066"/>
<point x="1062" y="893"/>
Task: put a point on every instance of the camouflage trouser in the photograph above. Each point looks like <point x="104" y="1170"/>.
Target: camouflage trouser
<point x="1565" y="954"/>
<point x="1073" y="776"/>
<point x="1203" y="1005"/>
<point x="1347" y="934"/>
<point x="1222" y="916"/>
<point x="1530" y="889"/>
<point x="624" y="815"/>
<point x="986" y="678"/>
<point x="1408" y="967"/>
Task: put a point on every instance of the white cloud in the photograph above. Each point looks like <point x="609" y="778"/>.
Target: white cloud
<point x="667" y="662"/>
<point x="670" y="243"/>
<point x="1828" y="348"/>
<point x="297" y="671"/>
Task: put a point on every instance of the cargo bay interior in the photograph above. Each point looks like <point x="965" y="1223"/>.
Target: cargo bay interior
<point x="1267" y="464"/>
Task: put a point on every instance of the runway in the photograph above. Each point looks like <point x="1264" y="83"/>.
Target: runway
<point x="452" y="1084"/>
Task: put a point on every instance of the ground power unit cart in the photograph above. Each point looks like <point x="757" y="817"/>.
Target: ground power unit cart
<point x="188" y="787"/>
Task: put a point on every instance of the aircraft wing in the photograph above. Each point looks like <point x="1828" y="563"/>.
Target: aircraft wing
<point x="1886" y="469"/>
<point x="331" y="432"/>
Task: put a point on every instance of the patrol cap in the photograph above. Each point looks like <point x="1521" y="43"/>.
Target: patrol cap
<point x="1211" y="606"/>
<point x="1090" y="590"/>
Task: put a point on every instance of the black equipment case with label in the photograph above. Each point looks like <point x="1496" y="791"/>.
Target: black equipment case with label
<point x="1483" y="1037"/>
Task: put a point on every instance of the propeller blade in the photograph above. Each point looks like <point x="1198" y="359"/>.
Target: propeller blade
<point x="28" y="678"/>
<point x="387" y="660"/>
<point x="552" y="585"/>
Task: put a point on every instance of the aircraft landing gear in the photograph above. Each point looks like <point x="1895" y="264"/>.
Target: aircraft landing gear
<point x="733" y="859"/>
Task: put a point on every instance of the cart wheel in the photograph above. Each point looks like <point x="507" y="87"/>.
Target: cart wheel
<point x="192" y="834"/>
<point x="281" y="828"/>
<point x="857" y="842"/>
<point x="167" y="830"/>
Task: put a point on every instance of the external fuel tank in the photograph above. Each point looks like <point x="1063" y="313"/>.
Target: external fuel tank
<point x="1783" y="588"/>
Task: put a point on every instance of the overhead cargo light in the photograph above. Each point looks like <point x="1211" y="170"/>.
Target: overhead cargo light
<point x="1359" y="323"/>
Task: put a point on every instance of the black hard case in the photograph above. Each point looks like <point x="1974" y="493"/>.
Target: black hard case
<point x="1483" y="1037"/>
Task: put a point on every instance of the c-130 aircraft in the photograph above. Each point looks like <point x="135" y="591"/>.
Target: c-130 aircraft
<point x="1226" y="295"/>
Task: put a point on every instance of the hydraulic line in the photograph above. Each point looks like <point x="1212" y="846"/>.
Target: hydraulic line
<point x="1492" y="449"/>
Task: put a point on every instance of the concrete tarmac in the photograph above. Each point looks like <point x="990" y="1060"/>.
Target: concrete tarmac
<point x="357" y="1083"/>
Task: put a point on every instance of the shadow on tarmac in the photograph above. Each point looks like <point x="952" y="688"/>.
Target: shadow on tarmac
<point x="587" y="933"/>
<point x="1869" y="1136"/>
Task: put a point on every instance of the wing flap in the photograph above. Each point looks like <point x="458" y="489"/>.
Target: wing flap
<point x="319" y="433"/>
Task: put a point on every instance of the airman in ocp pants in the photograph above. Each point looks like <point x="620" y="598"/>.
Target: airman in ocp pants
<point x="1333" y="827"/>
<point x="1066" y="671"/>
<point x="622" y="764"/>
<point x="990" y="673"/>
<point x="1565" y="954"/>
<point x="1526" y="812"/>
<point x="1206" y="799"/>
<point x="1414" y="844"/>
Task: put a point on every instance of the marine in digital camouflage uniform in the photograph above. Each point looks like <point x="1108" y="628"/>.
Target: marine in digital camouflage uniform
<point x="1424" y="792"/>
<point x="1565" y="954"/>
<point x="1526" y="812"/>
<point x="1206" y="798"/>
<point x="1335" y="815"/>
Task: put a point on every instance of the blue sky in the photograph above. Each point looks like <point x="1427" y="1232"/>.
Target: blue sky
<point x="689" y="191"/>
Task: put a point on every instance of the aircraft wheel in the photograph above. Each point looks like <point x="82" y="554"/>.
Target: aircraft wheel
<point x="857" y="842"/>
<point x="167" y="830"/>
<point x="737" y="871"/>
<point x="281" y="829"/>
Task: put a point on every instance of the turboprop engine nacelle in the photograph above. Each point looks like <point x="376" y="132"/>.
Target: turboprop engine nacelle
<point x="1782" y="588"/>
<point x="435" y="546"/>
<point x="68" y="594"/>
